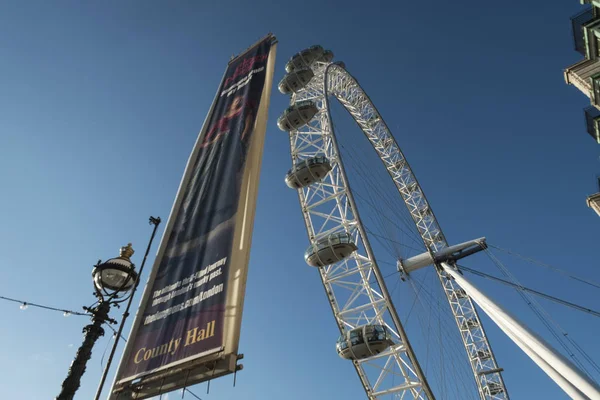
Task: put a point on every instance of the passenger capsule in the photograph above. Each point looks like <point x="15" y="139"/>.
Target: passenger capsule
<point x="330" y="250"/>
<point x="363" y="342"/>
<point x="307" y="172"/>
<point x="297" y="115"/>
<point x="304" y="58"/>
<point x="326" y="57"/>
<point x="341" y="64"/>
<point x="295" y="81"/>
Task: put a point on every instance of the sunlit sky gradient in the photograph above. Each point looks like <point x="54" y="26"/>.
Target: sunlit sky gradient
<point x="100" y="104"/>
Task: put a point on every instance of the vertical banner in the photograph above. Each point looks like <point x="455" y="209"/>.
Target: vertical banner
<point x="187" y="328"/>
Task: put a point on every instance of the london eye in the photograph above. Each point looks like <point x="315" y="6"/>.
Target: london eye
<point x="372" y="336"/>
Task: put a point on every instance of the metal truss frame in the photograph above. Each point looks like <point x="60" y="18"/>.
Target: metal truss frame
<point x="354" y="286"/>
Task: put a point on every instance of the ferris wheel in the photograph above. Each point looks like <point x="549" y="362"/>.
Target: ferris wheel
<point x="372" y="336"/>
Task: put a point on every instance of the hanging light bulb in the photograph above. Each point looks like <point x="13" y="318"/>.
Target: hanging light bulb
<point x="66" y="313"/>
<point x="23" y="306"/>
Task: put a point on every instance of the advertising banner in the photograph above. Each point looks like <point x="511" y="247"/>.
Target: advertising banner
<point x="182" y="316"/>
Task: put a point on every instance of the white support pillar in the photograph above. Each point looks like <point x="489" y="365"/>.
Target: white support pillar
<point x="560" y="380"/>
<point x="574" y="382"/>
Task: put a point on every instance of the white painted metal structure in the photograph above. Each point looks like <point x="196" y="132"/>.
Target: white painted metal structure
<point x="566" y="375"/>
<point x="355" y="288"/>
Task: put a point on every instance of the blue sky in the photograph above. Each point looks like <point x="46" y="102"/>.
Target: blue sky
<point x="100" y="105"/>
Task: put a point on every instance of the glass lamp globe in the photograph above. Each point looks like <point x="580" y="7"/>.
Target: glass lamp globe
<point x="116" y="275"/>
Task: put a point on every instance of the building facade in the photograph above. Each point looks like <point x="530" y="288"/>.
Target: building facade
<point x="585" y="74"/>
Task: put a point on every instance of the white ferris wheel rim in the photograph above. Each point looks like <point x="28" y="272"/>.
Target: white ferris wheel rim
<point x="486" y="372"/>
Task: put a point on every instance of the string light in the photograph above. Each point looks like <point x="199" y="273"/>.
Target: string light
<point x="24" y="305"/>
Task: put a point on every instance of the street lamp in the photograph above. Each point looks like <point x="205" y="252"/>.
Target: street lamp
<point x="115" y="277"/>
<point x="113" y="281"/>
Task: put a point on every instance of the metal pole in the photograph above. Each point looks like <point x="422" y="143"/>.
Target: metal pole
<point x="526" y="339"/>
<point x="155" y="222"/>
<point x="91" y="333"/>
<point x="560" y="380"/>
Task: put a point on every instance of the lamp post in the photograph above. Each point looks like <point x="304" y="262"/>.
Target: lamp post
<point x="153" y="221"/>
<point x="113" y="280"/>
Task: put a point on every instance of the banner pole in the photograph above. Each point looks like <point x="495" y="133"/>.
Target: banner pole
<point x="155" y="222"/>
